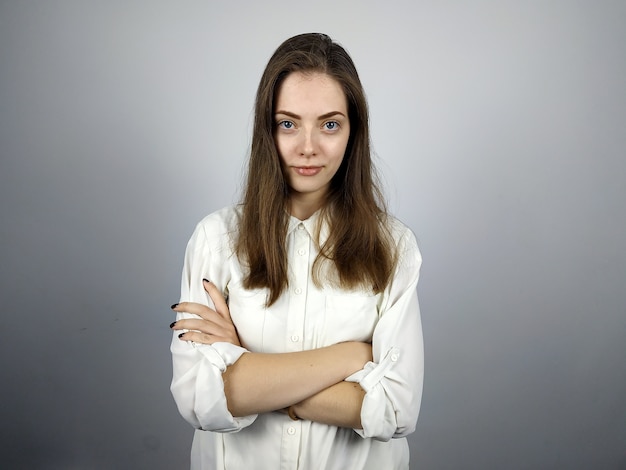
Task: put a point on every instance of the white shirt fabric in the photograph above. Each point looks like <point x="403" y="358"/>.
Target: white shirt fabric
<point x="304" y="317"/>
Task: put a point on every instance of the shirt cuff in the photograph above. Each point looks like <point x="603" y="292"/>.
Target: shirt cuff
<point x="378" y="417"/>
<point x="221" y="355"/>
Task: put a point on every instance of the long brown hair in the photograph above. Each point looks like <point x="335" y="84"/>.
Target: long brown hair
<point x="359" y="243"/>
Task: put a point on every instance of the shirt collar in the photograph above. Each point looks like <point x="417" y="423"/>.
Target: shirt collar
<point x="310" y="225"/>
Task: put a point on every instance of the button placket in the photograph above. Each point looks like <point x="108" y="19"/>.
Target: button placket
<point x="298" y="285"/>
<point x="290" y="445"/>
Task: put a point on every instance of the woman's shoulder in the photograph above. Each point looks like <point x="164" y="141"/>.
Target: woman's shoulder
<point x="405" y="241"/>
<point x="222" y="220"/>
<point x="219" y="227"/>
<point x="397" y="229"/>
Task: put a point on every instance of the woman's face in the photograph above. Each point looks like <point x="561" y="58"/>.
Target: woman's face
<point x="311" y="131"/>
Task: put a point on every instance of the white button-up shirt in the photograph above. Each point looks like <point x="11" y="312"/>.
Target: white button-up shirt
<point x="304" y="317"/>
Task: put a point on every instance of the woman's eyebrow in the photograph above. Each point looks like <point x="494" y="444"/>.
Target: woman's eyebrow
<point x="323" y="116"/>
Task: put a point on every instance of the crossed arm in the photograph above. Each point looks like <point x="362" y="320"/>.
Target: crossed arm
<point x="312" y="382"/>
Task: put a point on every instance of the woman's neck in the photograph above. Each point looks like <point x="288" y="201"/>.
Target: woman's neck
<point x="302" y="209"/>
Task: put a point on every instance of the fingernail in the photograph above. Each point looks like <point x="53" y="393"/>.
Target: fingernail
<point x="181" y="335"/>
<point x="205" y="280"/>
<point x="174" y="306"/>
<point x="172" y="324"/>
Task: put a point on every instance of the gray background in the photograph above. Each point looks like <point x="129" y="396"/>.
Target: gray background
<point x="500" y="130"/>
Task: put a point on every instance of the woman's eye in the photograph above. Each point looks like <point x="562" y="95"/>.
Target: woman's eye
<point x="286" y="124"/>
<point x="331" y="125"/>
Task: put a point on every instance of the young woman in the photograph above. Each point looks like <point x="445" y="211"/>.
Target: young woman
<point x="298" y="341"/>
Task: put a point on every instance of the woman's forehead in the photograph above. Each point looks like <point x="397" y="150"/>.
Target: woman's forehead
<point x="311" y="92"/>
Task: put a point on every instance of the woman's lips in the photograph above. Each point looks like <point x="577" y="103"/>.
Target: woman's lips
<point x="307" y="170"/>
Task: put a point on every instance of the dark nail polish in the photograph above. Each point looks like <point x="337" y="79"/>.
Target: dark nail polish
<point x="206" y="280"/>
<point x="181" y="335"/>
<point x="172" y="324"/>
<point x="174" y="306"/>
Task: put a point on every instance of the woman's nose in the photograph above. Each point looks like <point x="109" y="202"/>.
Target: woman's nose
<point x="308" y="143"/>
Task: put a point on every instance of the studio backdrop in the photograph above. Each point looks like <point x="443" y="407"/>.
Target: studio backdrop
<point x="499" y="132"/>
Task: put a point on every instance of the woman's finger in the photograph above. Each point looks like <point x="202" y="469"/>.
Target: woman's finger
<point x="204" y="326"/>
<point x="202" y="338"/>
<point x="204" y="313"/>
<point x="204" y="333"/>
<point x="194" y="308"/>
<point x="212" y="325"/>
<point x="218" y="299"/>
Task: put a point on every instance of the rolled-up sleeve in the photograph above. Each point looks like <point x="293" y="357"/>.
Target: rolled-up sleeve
<point x="393" y="382"/>
<point x="197" y="384"/>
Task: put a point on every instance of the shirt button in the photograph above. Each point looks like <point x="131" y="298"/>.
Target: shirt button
<point x="394" y="357"/>
<point x="301" y="252"/>
<point x="300" y="227"/>
<point x="291" y="431"/>
<point x="295" y="338"/>
<point x="298" y="290"/>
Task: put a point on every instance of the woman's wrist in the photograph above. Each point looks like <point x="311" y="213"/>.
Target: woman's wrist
<point x="339" y="405"/>
<point x="357" y="355"/>
<point x="353" y="355"/>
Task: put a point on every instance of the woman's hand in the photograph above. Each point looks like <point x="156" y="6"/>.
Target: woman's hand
<point x="213" y="326"/>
